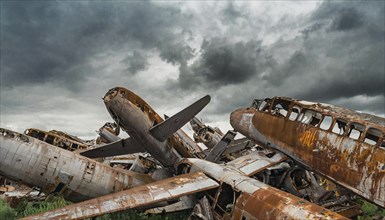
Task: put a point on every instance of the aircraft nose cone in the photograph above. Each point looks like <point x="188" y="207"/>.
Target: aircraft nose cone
<point x="111" y="94"/>
<point x="235" y="117"/>
<point x="239" y="120"/>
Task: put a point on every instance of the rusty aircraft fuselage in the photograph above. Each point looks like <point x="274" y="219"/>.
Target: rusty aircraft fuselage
<point x="343" y="145"/>
<point x="242" y="197"/>
<point x="136" y="117"/>
<point x="56" y="170"/>
<point x="233" y="195"/>
<point x="58" y="139"/>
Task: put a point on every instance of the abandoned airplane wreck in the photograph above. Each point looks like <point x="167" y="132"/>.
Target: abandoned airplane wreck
<point x="298" y="160"/>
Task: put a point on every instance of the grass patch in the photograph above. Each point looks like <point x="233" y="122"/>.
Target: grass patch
<point x="26" y="208"/>
<point x="370" y="211"/>
<point x="6" y="212"/>
<point x="130" y="214"/>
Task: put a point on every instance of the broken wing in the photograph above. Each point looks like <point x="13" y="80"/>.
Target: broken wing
<point x="145" y="195"/>
<point x="256" y="161"/>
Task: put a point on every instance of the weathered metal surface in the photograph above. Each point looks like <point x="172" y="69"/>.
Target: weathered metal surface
<point x="205" y="134"/>
<point x="120" y="147"/>
<point x="257" y="200"/>
<point x="168" y="127"/>
<point x="54" y="169"/>
<point x="137" y="118"/>
<point x="58" y="139"/>
<point x="184" y="203"/>
<point x="216" y="152"/>
<point x="183" y="141"/>
<point x="210" y="137"/>
<point x="202" y="210"/>
<point x="351" y="161"/>
<point x="255" y="162"/>
<point x="132" y="198"/>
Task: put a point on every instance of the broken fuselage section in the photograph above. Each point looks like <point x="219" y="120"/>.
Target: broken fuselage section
<point x="56" y="170"/>
<point x="343" y="145"/>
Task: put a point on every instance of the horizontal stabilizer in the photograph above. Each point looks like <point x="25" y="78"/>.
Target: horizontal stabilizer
<point x="168" y="127"/>
<point x="124" y="146"/>
<point x="136" y="197"/>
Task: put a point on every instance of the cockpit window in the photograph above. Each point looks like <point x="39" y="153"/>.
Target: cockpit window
<point x="372" y="136"/>
<point x="280" y="108"/>
<point x="339" y="127"/>
<point x="264" y="105"/>
<point x="355" y="130"/>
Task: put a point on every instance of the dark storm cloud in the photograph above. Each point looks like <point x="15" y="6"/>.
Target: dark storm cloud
<point x="353" y="42"/>
<point x="346" y="20"/>
<point x="223" y="62"/>
<point x="235" y="51"/>
<point x="337" y="53"/>
<point x="177" y="53"/>
<point x="136" y="62"/>
<point x="55" y="41"/>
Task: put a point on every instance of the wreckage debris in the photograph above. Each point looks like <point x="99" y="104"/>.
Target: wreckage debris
<point x="343" y="145"/>
<point x="269" y="175"/>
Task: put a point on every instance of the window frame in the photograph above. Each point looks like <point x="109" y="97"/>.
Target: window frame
<point x="380" y="141"/>
<point x="291" y="110"/>
<point x="350" y="128"/>
<point x="334" y="124"/>
<point x="331" y="123"/>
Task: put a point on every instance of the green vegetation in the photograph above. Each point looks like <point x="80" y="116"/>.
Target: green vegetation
<point x="370" y="211"/>
<point x="141" y="216"/>
<point x="6" y="212"/>
<point x="26" y="208"/>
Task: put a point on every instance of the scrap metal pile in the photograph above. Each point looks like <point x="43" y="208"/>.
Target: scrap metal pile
<point x="297" y="160"/>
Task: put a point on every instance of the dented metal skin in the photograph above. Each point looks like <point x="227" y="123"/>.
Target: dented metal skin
<point x="254" y="199"/>
<point x="53" y="169"/>
<point x="350" y="161"/>
<point x="145" y="195"/>
<point x="136" y="117"/>
<point x="248" y="198"/>
<point x="205" y="134"/>
<point x="58" y="139"/>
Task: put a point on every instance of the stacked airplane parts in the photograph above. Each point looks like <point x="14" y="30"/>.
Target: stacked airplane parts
<point x="165" y="170"/>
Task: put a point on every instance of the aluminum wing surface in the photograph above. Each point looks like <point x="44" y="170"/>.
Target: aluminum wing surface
<point x="168" y="127"/>
<point x="255" y="162"/>
<point x="121" y="147"/>
<point x="136" y="197"/>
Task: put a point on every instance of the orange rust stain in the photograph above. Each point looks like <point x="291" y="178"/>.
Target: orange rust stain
<point x="307" y="138"/>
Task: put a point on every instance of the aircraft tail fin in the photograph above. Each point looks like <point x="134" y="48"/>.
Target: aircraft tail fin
<point x="168" y="127"/>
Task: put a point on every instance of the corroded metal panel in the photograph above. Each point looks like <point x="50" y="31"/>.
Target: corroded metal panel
<point x="58" y="139"/>
<point x="54" y="169"/>
<point x="275" y="204"/>
<point x="258" y="200"/>
<point x="255" y="162"/>
<point x="137" y="118"/>
<point x="136" y="197"/>
<point x="349" y="161"/>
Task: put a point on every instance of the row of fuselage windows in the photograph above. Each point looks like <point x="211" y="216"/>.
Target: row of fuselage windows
<point x="340" y="126"/>
<point x="53" y="140"/>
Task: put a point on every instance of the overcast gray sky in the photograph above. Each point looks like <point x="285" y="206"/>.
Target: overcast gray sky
<point x="58" y="58"/>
